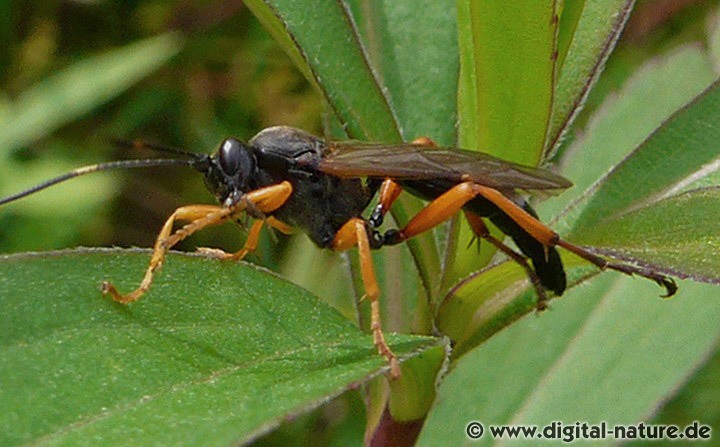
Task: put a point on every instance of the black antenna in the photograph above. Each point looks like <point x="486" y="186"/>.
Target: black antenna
<point x="113" y="165"/>
<point x="140" y="144"/>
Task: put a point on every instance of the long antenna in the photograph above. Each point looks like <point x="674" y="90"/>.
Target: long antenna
<point x="109" y="166"/>
<point x="141" y="144"/>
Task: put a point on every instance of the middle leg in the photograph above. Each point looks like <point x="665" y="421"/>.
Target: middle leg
<point x="354" y="232"/>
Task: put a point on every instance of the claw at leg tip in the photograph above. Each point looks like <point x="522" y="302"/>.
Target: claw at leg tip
<point x="670" y="287"/>
<point x="107" y="288"/>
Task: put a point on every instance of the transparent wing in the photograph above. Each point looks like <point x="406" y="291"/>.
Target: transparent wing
<point x="408" y="161"/>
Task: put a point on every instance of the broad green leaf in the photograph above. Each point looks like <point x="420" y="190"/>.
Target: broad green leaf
<point x="699" y="400"/>
<point x="214" y="354"/>
<point x="80" y="88"/>
<point x="679" y="152"/>
<point x="507" y="76"/>
<point x="594" y="37"/>
<point x="679" y="235"/>
<point x="608" y="351"/>
<point x="638" y="110"/>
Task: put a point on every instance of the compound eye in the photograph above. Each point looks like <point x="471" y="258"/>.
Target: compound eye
<point x="230" y="156"/>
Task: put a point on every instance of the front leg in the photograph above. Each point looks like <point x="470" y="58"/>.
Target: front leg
<point x="266" y="200"/>
<point x="199" y="216"/>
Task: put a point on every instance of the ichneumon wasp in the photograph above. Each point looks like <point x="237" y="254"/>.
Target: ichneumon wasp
<point x="285" y="178"/>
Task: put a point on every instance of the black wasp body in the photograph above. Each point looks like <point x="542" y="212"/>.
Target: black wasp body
<point x="323" y="199"/>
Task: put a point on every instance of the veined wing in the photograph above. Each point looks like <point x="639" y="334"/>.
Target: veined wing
<point x="408" y="161"/>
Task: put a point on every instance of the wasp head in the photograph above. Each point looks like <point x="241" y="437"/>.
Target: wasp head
<point x="229" y="173"/>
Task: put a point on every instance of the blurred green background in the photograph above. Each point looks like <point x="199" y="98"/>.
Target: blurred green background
<point x="227" y="78"/>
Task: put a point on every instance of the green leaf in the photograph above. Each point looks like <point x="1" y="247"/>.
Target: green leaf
<point x="570" y="14"/>
<point x="609" y="351"/>
<point x="416" y="66"/>
<point x="413" y="394"/>
<point x="686" y="246"/>
<point x="506" y="76"/>
<point x="595" y="34"/>
<point x="699" y="400"/>
<point x="679" y="152"/>
<point x="638" y="110"/>
<point x="487" y="301"/>
<point x="80" y="88"/>
<point x="214" y="354"/>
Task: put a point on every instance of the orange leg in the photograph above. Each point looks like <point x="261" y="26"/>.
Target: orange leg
<point x="452" y="201"/>
<point x="279" y="225"/>
<point x="250" y="245"/>
<point x="200" y="216"/>
<point x="546" y="236"/>
<point x="265" y="199"/>
<point x="354" y="233"/>
<point x="251" y="242"/>
<point x="389" y="192"/>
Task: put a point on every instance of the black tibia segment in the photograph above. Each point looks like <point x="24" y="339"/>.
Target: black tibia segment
<point x="546" y="260"/>
<point x="392" y="237"/>
<point x="377" y="216"/>
<point x="663" y="281"/>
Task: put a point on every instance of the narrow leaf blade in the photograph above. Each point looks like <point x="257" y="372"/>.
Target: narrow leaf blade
<point x="623" y="356"/>
<point x="595" y="34"/>
<point x="677" y="152"/>
<point x="323" y="35"/>
<point x="80" y="88"/>
<point x="507" y="54"/>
